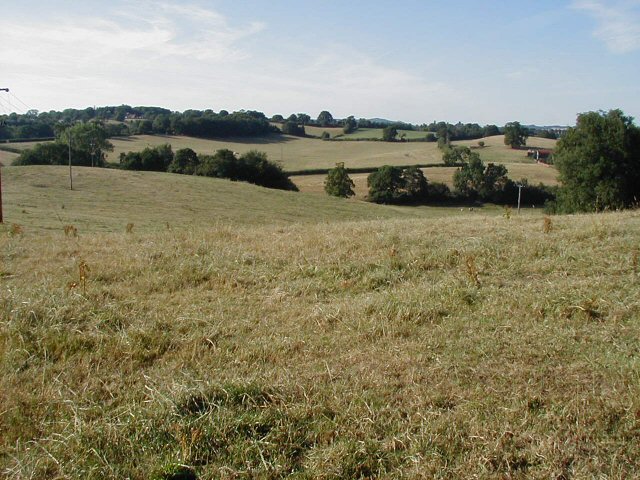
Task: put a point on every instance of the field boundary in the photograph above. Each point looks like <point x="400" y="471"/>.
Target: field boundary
<point x="321" y="171"/>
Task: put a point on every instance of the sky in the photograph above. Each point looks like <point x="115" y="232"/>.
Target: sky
<point x="489" y="62"/>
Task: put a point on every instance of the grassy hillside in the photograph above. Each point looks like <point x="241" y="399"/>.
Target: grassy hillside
<point x="106" y="200"/>
<point x="474" y="347"/>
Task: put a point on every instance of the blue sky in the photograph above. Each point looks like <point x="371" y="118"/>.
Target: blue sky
<point x="418" y="61"/>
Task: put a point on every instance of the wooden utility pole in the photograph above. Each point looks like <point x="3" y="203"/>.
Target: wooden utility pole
<point x="1" y="218"/>
<point x="520" y="187"/>
<point x="70" y="173"/>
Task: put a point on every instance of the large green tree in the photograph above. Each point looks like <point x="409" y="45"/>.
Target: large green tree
<point x="325" y="119"/>
<point x="599" y="163"/>
<point x="389" y="133"/>
<point x="338" y="182"/>
<point x="88" y="139"/>
<point x="515" y="135"/>
<point x="474" y="180"/>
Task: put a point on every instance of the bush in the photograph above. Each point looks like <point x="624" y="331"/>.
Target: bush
<point x="185" y="161"/>
<point x="338" y="182"/>
<point x="155" y="159"/>
<point x="396" y="185"/>
<point x="389" y="133"/>
<point x="252" y="167"/>
<point x="55" y="153"/>
<point x="292" y="128"/>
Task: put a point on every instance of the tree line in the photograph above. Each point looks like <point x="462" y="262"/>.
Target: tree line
<point x="126" y="120"/>
<point x="251" y="167"/>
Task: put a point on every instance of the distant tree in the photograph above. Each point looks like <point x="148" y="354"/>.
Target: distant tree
<point x="455" y="155"/>
<point x="430" y="137"/>
<point x="415" y="184"/>
<point x="467" y="180"/>
<point x="304" y="119"/>
<point x="474" y="180"/>
<point x="89" y="139"/>
<point x="277" y="118"/>
<point x="546" y="134"/>
<point x="325" y="135"/>
<point x="350" y="125"/>
<point x="155" y="159"/>
<point x="490" y="131"/>
<point x="292" y="128"/>
<point x="389" y="133"/>
<point x="293" y="118"/>
<point x="338" y="182"/>
<point x="515" y="135"/>
<point x="325" y="119"/>
<point x="599" y="163"/>
<point x="185" y="161"/>
<point x="385" y="184"/>
<point x="252" y="167"/>
<point x="161" y="124"/>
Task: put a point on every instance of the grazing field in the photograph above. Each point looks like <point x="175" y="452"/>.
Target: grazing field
<point x="534" y="173"/>
<point x="470" y="347"/>
<point x="317" y="131"/>
<point x="497" y="152"/>
<point x="376" y="133"/>
<point x="107" y="200"/>
<point x="296" y="153"/>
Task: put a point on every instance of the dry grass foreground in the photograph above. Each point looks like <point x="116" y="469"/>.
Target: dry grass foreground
<point x="467" y="348"/>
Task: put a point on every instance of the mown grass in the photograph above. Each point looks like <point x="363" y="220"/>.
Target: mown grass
<point x="475" y="347"/>
<point x="107" y="200"/>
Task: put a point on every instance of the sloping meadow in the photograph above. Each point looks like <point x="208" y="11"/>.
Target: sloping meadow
<point x="495" y="347"/>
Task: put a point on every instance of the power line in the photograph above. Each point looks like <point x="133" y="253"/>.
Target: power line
<point x="16" y="98"/>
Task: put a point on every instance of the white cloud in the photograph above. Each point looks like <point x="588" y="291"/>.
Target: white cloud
<point x="618" y="23"/>
<point x="181" y="57"/>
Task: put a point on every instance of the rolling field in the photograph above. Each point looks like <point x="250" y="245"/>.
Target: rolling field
<point x="296" y="153"/>
<point x="376" y="133"/>
<point x="38" y="198"/>
<point x="468" y="347"/>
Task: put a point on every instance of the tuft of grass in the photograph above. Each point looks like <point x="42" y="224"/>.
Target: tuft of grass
<point x="70" y="231"/>
<point x="547" y="225"/>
